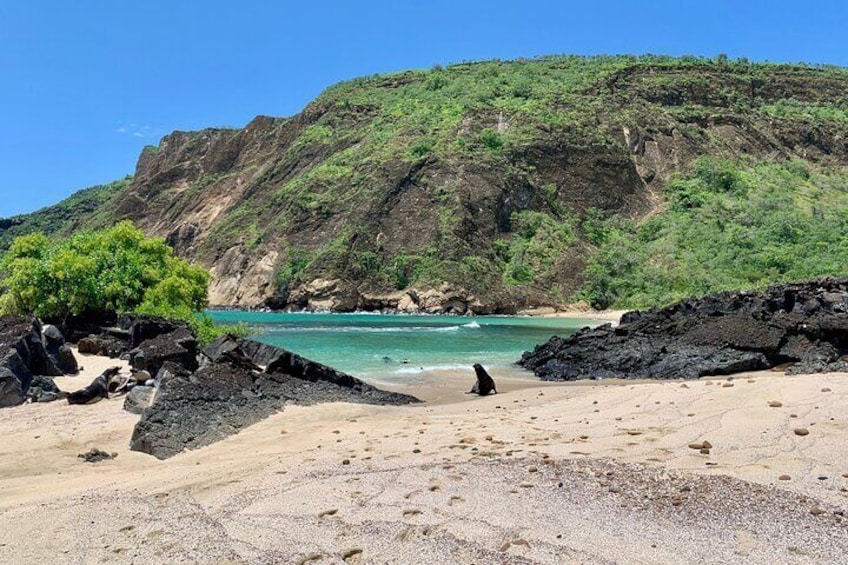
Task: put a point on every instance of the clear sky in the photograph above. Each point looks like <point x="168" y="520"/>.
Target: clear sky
<point x="84" y="85"/>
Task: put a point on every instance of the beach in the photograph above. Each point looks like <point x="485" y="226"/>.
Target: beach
<point x="539" y="473"/>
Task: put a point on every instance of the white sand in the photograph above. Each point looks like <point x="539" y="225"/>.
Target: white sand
<point x="459" y="479"/>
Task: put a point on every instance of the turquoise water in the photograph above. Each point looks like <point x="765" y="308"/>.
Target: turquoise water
<point x="397" y="348"/>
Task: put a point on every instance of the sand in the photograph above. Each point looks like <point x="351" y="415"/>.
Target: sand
<point x="539" y="473"/>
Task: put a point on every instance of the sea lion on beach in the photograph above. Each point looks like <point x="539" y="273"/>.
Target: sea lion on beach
<point x="97" y="390"/>
<point x="485" y="383"/>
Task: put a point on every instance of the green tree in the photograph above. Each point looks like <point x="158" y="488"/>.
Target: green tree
<point x="117" y="268"/>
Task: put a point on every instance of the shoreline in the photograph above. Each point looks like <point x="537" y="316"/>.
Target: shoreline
<point x="542" y="312"/>
<point x="415" y="483"/>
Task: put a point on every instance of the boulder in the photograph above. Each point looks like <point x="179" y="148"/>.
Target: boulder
<point x="139" y="398"/>
<point x="231" y="391"/>
<point x="58" y="352"/>
<point x="22" y="354"/>
<point x="43" y="389"/>
<point x="179" y="346"/>
<point x="11" y="390"/>
<point x="141" y="328"/>
<point x="723" y="333"/>
<point x="103" y="345"/>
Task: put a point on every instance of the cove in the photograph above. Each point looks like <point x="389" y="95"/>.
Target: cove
<point x="403" y="348"/>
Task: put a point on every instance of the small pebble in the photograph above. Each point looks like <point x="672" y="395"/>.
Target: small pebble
<point x="802" y="431"/>
<point x="345" y="461"/>
<point x="784" y="478"/>
<point x="816" y="511"/>
<point x="825" y="389"/>
<point x="775" y="404"/>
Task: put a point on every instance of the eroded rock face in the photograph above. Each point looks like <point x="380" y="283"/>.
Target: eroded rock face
<point x="230" y="391"/>
<point x="804" y="323"/>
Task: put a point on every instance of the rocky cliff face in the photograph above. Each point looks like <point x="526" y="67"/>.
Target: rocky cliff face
<point x="462" y="188"/>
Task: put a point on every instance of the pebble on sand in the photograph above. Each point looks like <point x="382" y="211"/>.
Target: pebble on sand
<point x="775" y="404"/>
<point x="801" y="431"/>
<point x="784" y="478"/>
<point x="701" y="445"/>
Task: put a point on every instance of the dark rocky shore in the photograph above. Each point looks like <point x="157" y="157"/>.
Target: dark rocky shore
<point x="187" y="398"/>
<point x="239" y="382"/>
<point x="803" y="325"/>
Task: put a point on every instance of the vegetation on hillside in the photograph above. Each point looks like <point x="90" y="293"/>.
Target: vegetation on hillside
<point x="117" y="269"/>
<point x="63" y="217"/>
<point x="525" y="182"/>
<point x="727" y="226"/>
<point x="441" y="114"/>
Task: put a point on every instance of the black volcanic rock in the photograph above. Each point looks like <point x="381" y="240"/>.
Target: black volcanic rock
<point x="229" y="392"/>
<point x="58" y="352"/>
<point x="43" y="389"/>
<point x="804" y="323"/>
<point x="23" y="354"/>
<point x="178" y="346"/>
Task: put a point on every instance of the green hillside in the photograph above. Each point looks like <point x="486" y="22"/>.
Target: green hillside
<point x="500" y="185"/>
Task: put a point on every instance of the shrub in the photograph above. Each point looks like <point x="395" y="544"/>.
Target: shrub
<point x="492" y="140"/>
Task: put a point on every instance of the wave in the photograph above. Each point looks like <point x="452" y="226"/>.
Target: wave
<point x="416" y="370"/>
<point x="472" y="326"/>
<point x="361" y="329"/>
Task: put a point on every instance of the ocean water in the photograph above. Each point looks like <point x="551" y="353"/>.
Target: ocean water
<point x="403" y="348"/>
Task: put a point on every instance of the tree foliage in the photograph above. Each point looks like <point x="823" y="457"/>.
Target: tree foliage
<point x="117" y="268"/>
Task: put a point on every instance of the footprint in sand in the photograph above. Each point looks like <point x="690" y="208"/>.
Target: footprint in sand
<point x="455" y="500"/>
<point x="414" y="532"/>
<point x="311" y="558"/>
<point x="353" y="556"/>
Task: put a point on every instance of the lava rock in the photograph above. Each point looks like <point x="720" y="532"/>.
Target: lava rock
<point x="139" y="398"/>
<point x="60" y="354"/>
<point x="44" y="389"/>
<point x="196" y="408"/>
<point x="719" y="334"/>
<point x="22" y="355"/>
<point x="179" y="347"/>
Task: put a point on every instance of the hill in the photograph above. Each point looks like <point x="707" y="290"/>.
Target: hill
<point x="499" y="185"/>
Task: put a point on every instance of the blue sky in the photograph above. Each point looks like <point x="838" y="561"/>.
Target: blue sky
<point x="85" y="85"/>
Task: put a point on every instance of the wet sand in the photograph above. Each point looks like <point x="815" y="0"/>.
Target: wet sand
<point x="539" y="473"/>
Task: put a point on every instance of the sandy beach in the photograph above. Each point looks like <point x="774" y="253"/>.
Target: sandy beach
<point x="539" y="473"/>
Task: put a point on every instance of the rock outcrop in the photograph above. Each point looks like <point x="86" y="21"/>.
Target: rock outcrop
<point x="804" y="324"/>
<point x="231" y="390"/>
<point x="23" y="355"/>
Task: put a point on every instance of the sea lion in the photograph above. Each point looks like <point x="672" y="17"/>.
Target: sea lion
<point x="97" y="390"/>
<point x="485" y="383"/>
